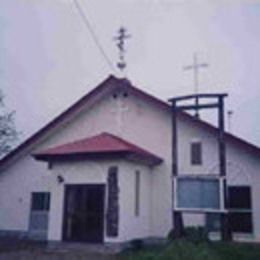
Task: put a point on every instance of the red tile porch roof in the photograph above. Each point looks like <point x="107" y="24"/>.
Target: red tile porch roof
<point x="104" y="145"/>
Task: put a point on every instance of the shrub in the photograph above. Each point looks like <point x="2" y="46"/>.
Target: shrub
<point x="137" y="244"/>
<point x="196" y="234"/>
<point x="193" y="234"/>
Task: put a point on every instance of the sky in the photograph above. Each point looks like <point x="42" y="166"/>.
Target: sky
<point x="48" y="59"/>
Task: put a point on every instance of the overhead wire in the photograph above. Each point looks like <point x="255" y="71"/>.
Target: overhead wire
<point x="93" y="34"/>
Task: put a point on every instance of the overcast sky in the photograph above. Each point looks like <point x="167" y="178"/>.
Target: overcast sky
<point x="48" y="59"/>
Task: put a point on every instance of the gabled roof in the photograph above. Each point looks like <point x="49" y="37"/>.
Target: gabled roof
<point x="107" y="86"/>
<point x="105" y="145"/>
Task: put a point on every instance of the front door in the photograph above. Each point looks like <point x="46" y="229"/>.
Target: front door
<point x="84" y="213"/>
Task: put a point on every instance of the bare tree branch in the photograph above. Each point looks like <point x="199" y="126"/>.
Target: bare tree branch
<point x="8" y="132"/>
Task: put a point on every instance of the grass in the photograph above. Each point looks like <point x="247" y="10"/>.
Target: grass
<point x="10" y="244"/>
<point x="185" y="250"/>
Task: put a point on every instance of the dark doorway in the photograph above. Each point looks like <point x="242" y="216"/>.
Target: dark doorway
<point x="84" y="213"/>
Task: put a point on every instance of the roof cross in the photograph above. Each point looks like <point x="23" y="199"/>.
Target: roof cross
<point x="120" y="39"/>
<point x="119" y="111"/>
<point x="196" y="66"/>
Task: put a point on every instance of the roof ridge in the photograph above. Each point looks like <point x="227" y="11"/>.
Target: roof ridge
<point x="101" y="87"/>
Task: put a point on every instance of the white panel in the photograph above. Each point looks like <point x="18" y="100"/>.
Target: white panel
<point x="198" y="193"/>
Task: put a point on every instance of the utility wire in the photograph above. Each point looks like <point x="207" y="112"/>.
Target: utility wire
<point x="93" y="34"/>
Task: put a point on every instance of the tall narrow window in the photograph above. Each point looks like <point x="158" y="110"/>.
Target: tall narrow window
<point x="137" y="193"/>
<point x="240" y="209"/>
<point x="196" y="153"/>
<point x="39" y="215"/>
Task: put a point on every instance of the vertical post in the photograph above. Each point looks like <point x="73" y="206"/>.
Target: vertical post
<point x="196" y="83"/>
<point x="177" y="216"/>
<point x="225" y="230"/>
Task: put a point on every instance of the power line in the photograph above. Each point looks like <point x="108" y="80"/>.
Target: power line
<point x="93" y="34"/>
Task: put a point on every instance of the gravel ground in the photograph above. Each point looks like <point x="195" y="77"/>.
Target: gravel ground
<point x="11" y="249"/>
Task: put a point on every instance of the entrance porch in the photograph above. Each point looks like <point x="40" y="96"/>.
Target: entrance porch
<point x="100" y="190"/>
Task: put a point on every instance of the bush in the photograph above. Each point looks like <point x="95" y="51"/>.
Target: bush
<point x="196" y="234"/>
<point x="180" y="249"/>
<point x="193" y="234"/>
<point x="137" y="244"/>
<point x="172" y="235"/>
<point x="185" y="250"/>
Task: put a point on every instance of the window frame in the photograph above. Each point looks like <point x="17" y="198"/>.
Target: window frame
<point x="234" y="211"/>
<point x="137" y="193"/>
<point x="220" y="179"/>
<point x="196" y="158"/>
<point x="46" y="201"/>
<point x="243" y="210"/>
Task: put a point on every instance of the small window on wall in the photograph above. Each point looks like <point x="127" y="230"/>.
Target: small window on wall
<point x="240" y="209"/>
<point x="137" y="193"/>
<point x="40" y="201"/>
<point x="196" y="153"/>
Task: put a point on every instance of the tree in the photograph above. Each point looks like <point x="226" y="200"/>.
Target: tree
<point x="8" y="132"/>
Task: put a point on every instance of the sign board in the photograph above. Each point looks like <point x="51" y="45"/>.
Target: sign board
<point x="198" y="194"/>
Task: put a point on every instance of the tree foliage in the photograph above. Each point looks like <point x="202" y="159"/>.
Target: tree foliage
<point x="8" y="132"/>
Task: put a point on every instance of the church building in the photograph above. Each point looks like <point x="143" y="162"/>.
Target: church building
<point x="101" y="172"/>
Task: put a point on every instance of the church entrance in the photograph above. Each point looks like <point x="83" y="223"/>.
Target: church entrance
<point x="83" y="219"/>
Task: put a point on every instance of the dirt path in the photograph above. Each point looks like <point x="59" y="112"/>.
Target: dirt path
<point x="12" y="249"/>
<point x="41" y="255"/>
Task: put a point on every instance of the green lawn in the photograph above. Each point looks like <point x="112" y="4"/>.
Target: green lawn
<point x="184" y="250"/>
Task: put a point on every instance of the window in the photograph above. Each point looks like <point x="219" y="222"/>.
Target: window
<point x="39" y="215"/>
<point x="196" y="153"/>
<point x="240" y="209"/>
<point x="198" y="193"/>
<point x="137" y="193"/>
<point x="41" y="201"/>
<point x="239" y="197"/>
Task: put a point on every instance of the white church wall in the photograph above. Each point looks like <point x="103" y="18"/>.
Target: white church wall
<point x="27" y="175"/>
<point x="143" y="124"/>
<point x="243" y="168"/>
<point x="152" y="130"/>
<point x="90" y="122"/>
<point x="149" y="127"/>
<point x="17" y="183"/>
<point x="130" y="226"/>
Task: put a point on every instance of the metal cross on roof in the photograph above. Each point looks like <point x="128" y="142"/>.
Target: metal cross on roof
<point x="120" y="39"/>
<point x="196" y="66"/>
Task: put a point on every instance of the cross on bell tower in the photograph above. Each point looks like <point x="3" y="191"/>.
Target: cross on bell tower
<point x="120" y="40"/>
<point x="196" y="66"/>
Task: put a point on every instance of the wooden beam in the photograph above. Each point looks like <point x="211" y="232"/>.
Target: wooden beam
<point x="226" y="234"/>
<point x="174" y="141"/>
<point x="202" y="95"/>
<point x="197" y="107"/>
<point x="176" y="215"/>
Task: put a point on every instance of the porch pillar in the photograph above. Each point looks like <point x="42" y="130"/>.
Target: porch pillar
<point x="112" y="216"/>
